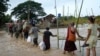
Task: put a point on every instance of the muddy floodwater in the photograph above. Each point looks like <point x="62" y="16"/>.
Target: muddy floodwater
<point x="13" y="47"/>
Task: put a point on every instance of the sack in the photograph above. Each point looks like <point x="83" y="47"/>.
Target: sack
<point x="42" y="45"/>
<point x="29" y="39"/>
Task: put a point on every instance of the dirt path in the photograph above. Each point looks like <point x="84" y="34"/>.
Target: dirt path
<point x="12" y="47"/>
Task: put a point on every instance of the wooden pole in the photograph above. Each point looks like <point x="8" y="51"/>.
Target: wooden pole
<point x="63" y="13"/>
<point x="87" y="12"/>
<point x="92" y="11"/>
<point x="68" y="12"/>
<point x="57" y="26"/>
<point x="79" y="14"/>
<point x="76" y="8"/>
<point x="63" y="10"/>
<point x="78" y="21"/>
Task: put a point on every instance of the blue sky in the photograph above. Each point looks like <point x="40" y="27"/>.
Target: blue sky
<point x="49" y="5"/>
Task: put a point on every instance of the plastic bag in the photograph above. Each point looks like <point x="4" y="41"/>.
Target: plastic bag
<point x="29" y="39"/>
<point x="42" y="45"/>
<point x="30" y="31"/>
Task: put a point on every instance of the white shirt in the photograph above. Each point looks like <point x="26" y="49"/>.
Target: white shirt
<point x="93" y="36"/>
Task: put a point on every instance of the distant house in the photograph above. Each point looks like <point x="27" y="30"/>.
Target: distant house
<point x="48" y="19"/>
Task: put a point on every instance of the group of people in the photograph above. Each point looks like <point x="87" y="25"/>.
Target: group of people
<point x="16" y="29"/>
<point x="24" y="29"/>
<point x="70" y="47"/>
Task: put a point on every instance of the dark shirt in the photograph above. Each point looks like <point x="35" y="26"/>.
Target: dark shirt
<point x="46" y="36"/>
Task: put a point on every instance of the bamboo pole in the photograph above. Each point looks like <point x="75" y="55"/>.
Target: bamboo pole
<point x="76" y="8"/>
<point x="78" y="21"/>
<point x="87" y="12"/>
<point x="57" y="26"/>
<point x="63" y="12"/>
<point x="68" y="12"/>
<point x="92" y="11"/>
<point x="79" y="13"/>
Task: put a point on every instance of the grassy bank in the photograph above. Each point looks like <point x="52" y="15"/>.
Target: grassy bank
<point x="63" y="22"/>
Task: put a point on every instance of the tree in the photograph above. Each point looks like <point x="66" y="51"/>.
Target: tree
<point x="4" y="19"/>
<point x="29" y="7"/>
<point x="3" y="9"/>
<point x="3" y="5"/>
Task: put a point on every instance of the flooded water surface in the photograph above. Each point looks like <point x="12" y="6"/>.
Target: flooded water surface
<point x="12" y="47"/>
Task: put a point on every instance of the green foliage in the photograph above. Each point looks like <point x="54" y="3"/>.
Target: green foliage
<point x="4" y="19"/>
<point x="3" y="5"/>
<point x="29" y="7"/>
<point x="82" y="20"/>
<point x="3" y="8"/>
